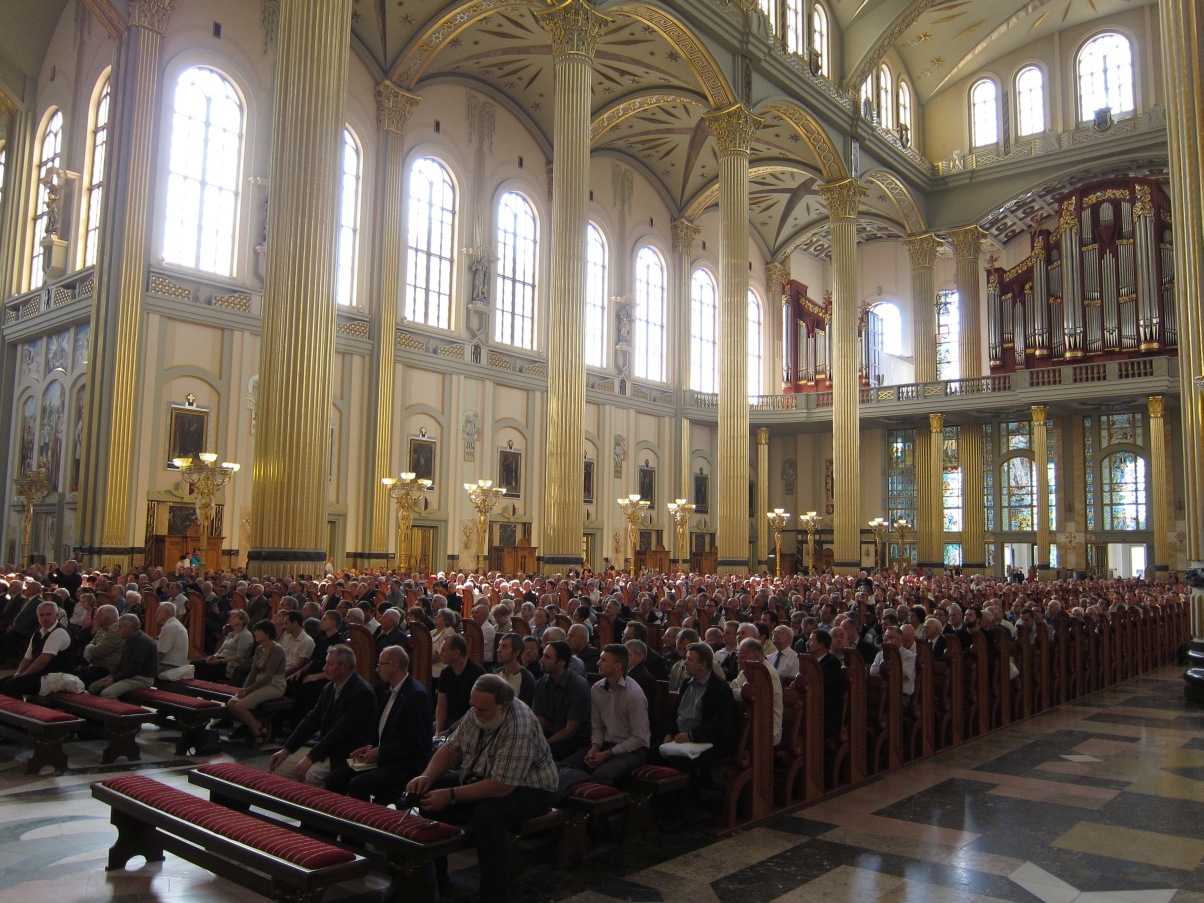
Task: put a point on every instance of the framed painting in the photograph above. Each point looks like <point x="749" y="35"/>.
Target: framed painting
<point x="187" y="432"/>
<point x="702" y="492"/>
<point x="588" y="490"/>
<point x="647" y="485"/>
<point x="510" y="472"/>
<point x="422" y="458"/>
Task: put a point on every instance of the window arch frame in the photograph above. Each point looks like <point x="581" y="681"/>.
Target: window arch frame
<point x="757" y="337"/>
<point x="1042" y="94"/>
<point x="1107" y="489"/>
<point x="93" y="188"/>
<point x="645" y="328"/>
<point x="40" y="211"/>
<point x="1086" y="115"/>
<point x="522" y="191"/>
<point x="429" y="152"/>
<point x="172" y="77"/>
<point x="886" y="97"/>
<point x="795" y="25"/>
<point x="355" y="230"/>
<point x="896" y="317"/>
<point x="975" y="143"/>
<point x="819" y="13"/>
<point x="600" y="305"/>
<point x="1005" y="520"/>
<point x="904" y="114"/>
<point x="699" y="342"/>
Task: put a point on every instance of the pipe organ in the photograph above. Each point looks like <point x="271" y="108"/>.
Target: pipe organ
<point x="806" y="342"/>
<point x="1099" y="286"/>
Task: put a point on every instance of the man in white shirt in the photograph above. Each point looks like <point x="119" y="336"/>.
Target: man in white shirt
<point x="298" y="645"/>
<point x="785" y="659"/>
<point x="173" y="641"/>
<point x="751" y="651"/>
<point x="893" y="637"/>
<point x="480" y="614"/>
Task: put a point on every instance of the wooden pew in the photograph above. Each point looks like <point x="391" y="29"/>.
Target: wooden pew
<point x="1000" y="650"/>
<point x="920" y="719"/>
<point x="802" y="753"/>
<point x="952" y="712"/>
<point x="41" y="727"/>
<point x="359" y="638"/>
<point x="751" y="765"/>
<point x="421" y="653"/>
<point x="1107" y="675"/>
<point x="475" y="638"/>
<point x="884" y="714"/>
<point x="856" y="674"/>
<point x="196" y="625"/>
<point x="978" y="687"/>
<point x="1041" y="670"/>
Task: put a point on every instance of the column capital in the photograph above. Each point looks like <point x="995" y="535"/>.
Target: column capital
<point x="393" y="107"/>
<point x="967" y="242"/>
<point x="843" y="198"/>
<point x="574" y="27"/>
<point x="776" y="276"/>
<point x="152" y="14"/>
<point x="684" y="233"/>
<point x="733" y="128"/>
<point x="1040" y="413"/>
<point x="936" y="423"/>
<point x="922" y="249"/>
<point x="1155" y="404"/>
<point x="762" y="436"/>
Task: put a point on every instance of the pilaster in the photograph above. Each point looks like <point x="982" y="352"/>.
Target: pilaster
<point x="967" y="245"/>
<point x="922" y="250"/>
<point x="1161" y="497"/>
<point x="930" y="540"/>
<point x="1041" y="464"/>
<point x="762" y="513"/>
<point x="970" y="457"/>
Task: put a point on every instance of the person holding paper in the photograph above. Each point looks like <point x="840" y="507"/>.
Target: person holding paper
<point x="705" y="713"/>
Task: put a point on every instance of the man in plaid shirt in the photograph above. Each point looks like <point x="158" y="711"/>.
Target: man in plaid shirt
<point x="494" y="772"/>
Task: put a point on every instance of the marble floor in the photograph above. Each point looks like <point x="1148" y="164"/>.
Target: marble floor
<point x="1098" y="801"/>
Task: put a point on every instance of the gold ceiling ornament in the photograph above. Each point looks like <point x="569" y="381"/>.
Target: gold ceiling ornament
<point x="967" y="242"/>
<point x="913" y="221"/>
<point x="886" y="41"/>
<point x="393" y="107"/>
<point x="923" y="249"/>
<point x="843" y="198"/>
<point x="684" y="233"/>
<point x="574" y="27"/>
<point x="733" y="128"/>
<point x="152" y="14"/>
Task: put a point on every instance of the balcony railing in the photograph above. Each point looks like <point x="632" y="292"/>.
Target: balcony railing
<point x="73" y="287"/>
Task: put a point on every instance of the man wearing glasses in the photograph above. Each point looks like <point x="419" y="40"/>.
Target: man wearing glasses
<point x="402" y="745"/>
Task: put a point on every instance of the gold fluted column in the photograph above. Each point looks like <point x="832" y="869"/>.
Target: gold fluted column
<point x="18" y="164"/>
<point x="776" y="277"/>
<point x="923" y="250"/>
<point x="296" y="351"/>
<point x="1161" y="496"/>
<point x="969" y="456"/>
<point x="842" y="199"/>
<point x="393" y="109"/>
<point x="684" y="233"/>
<point x="733" y="129"/>
<point x="762" y="514"/>
<point x="574" y="27"/>
<point x="106" y="504"/>
<point x="1041" y="464"/>
<point x="930" y="539"/>
<point x="1182" y="26"/>
<point x="967" y="243"/>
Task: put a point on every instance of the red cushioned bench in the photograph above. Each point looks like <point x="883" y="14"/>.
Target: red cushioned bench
<point x="585" y="801"/>
<point x="44" y="729"/>
<point x="119" y="722"/>
<point x="646" y="782"/>
<point x="190" y="713"/>
<point x="266" y="712"/>
<point x="266" y="858"/>
<point x="402" y="844"/>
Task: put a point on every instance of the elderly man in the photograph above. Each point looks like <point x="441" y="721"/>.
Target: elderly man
<point x="637" y="670"/>
<point x="579" y="642"/>
<point x="784" y="660"/>
<point x="139" y="664"/>
<point x="934" y="633"/>
<point x="391" y="632"/>
<point x="103" y="654"/>
<point x="894" y="637"/>
<point x="480" y="616"/>
<point x="259" y="606"/>
<point x="172" y="643"/>
<point x="50" y="650"/>
<point x="752" y="653"/>
<point x="344" y="719"/>
<point x="506" y="776"/>
<point x="619" y="718"/>
<point x="25" y="622"/>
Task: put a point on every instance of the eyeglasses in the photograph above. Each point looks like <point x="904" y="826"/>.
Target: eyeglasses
<point x="382" y="664"/>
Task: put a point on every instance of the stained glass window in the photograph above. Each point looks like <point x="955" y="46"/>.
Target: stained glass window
<point x="1116" y="428"/>
<point x="649" y="315"/>
<point x="430" y="237"/>
<point x="94" y="198"/>
<point x="704" y="303"/>
<point x="988" y="475"/>
<point x="349" y="222"/>
<point x="1018" y="495"/>
<point x="901" y="476"/>
<point x="951" y="482"/>
<point x="988" y="557"/>
<point x="953" y="554"/>
<point x="1105" y="76"/>
<point x="1124" y="491"/>
<point x="1017" y="434"/>
<point x="595" y="297"/>
<point x="51" y="148"/>
<point x="514" y="314"/>
<point x="1089" y="468"/>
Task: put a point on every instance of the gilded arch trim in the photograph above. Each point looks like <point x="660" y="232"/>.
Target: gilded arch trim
<point x="610" y="117"/>
<point x="912" y="219"/>
<point x="425" y="46"/>
<point x="708" y="196"/>
<point x="831" y="166"/>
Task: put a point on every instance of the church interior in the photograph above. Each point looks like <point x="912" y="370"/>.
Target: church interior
<point x="297" y="289"/>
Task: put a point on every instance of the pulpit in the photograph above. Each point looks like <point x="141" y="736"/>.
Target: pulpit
<point x="705" y="562"/>
<point x="516" y="559"/>
<point x="652" y="559"/>
<point x="167" y="549"/>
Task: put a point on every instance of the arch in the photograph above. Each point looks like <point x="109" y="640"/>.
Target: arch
<point x="1031" y="115"/>
<point x="597" y="282"/>
<point x="905" y="119"/>
<point x="912" y="218"/>
<point x="413" y="410"/>
<point x="704" y="328"/>
<point x="92" y="196"/>
<point x="886" y="97"/>
<point x="821" y="37"/>
<point x="756" y="343"/>
<point x="351" y="179"/>
<point x="651" y="289"/>
<point x="427" y="299"/>
<point x="825" y="150"/>
<point x="49" y="149"/>
<point x="516" y="226"/>
<point x="892" y="326"/>
<point x="1118" y="90"/>
<point x="984" y="112"/>
<point x="708" y="196"/>
<point x="1018" y="493"/>
<point x="611" y="116"/>
<point x="821" y="224"/>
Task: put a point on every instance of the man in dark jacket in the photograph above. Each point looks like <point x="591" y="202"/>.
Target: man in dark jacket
<point x="705" y="713"/>
<point x="829" y="665"/>
<point x="345" y="717"/>
<point x="401" y="744"/>
<point x="139" y="665"/>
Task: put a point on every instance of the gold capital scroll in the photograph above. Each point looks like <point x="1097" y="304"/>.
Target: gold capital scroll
<point x="1067" y="222"/>
<point x="843" y="198"/>
<point x="776" y="277"/>
<point x="1155" y="404"/>
<point x="936" y="424"/>
<point x="733" y="128"/>
<point x="152" y="14"/>
<point x="684" y="233"/>
<point x="574" y="27"/>
<point x="923" y="250"/>
<point x="1145" y="204"/>
<point x="762" y="436"/>
<point x="393" y="107"/>
<point x="1040" y="413"/>
<point x="967" y="242"/>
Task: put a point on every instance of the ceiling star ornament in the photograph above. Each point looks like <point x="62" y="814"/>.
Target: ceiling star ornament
<point x="574" y="27"/>
<point x="393" y="107"/>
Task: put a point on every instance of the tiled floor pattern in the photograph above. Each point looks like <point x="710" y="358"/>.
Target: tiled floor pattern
<point x="1097" y="802"/>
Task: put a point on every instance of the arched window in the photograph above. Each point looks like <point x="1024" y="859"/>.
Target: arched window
<point x="1124" y="491"/>
<point x="867" y="98"/>
<point x="796" y="26"/>
<point x="48" y="159"/>
<point x="349" y="220"/>
<point x="649" y="315"/>
<point x="948" y="335"/>
<point x="430" y="236"/>
<point x="94" y="198"/>
<point x="892" y="327"/>
<point x="904" y="108"/>
<point x="1018" y="499"/>
<point x="770" y="8"/>
<point x="514" y="310"/>
<point x="886" y="95"/>
<point x="984" y="103"/>
<point x="595" y="297"/>
<point x="1030" y="101"/>
<point x="1105" y="75"/>
<point x="754" y="344"/>
<point x="704" y="313"/>
<point x="819" y="39"/>
<point x="202" y="187"/>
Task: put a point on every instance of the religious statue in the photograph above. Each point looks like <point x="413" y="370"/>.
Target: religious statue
<point x="472" y="424"/>
<point x="619" y="453"/>
<point x="623" y="326"/>
<point x="480" y="281"/>
<point x="789" y="474"/>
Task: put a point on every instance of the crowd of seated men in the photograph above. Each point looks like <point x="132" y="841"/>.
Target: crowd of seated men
<point x="497" y="741"/>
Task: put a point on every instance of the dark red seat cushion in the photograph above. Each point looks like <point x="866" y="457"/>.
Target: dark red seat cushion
<point x="208" y="686"/>
<point x="382" y="818"/>
<point x="267" y="838"/>
<point x="151" y="696"/>
<point x="100" y="704"/>
<point x="588" y="790"/>
<point x="655" y="773"/>
<point x="36" y="712"/>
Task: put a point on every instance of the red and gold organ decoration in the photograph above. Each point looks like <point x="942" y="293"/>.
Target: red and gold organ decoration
<point x="1100" y="287"/>
<point x="806" y="348"/>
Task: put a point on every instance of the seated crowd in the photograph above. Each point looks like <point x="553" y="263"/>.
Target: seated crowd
<point x="564" y="690"/>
